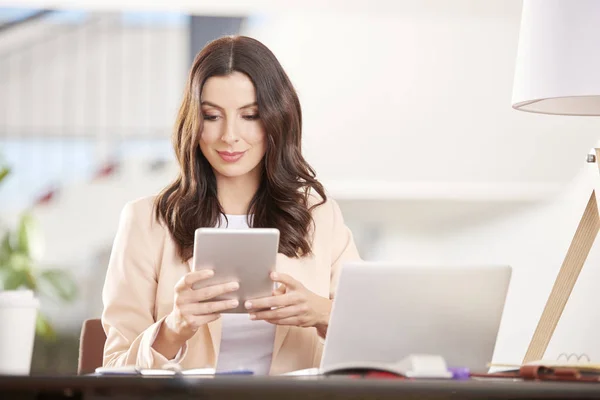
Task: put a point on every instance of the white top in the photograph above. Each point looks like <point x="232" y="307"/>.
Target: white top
<point x="245" y="344"/>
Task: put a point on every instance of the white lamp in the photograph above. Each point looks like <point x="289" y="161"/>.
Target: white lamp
<point x="558" y="72"/>
<point x="558" y="58"/>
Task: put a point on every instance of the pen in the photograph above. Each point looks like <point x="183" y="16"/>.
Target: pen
<point x="460" y="373"/>
<point x="235" y="372"/>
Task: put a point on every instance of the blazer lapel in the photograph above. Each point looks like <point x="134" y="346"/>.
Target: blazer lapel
<point x="281" y="331"/>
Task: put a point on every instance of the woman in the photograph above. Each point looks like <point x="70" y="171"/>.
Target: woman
<point x="238" y="143"/>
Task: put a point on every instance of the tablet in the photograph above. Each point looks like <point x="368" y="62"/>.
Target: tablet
<point x="246" y="256"/>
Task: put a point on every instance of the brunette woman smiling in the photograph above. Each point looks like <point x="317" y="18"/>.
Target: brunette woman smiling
<point x="237" y="140"/>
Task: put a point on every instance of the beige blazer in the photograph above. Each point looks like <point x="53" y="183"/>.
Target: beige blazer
<point x="144" y="268"/>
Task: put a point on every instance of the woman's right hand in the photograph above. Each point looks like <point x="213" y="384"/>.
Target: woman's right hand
<point x="192" y="308"/>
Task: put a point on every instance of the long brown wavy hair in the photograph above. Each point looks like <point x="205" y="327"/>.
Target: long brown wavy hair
<point x="282" y="199"/>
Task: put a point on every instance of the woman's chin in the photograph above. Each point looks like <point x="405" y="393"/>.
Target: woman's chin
<point x="232" y="171"/>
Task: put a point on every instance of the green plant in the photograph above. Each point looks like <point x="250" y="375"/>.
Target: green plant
<point x="4" y="171"/>
<point x="20" y="251"/>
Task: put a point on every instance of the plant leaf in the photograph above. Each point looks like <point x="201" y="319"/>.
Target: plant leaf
<point x="17" y="273"/>
<point x="5" y="249"/>
<point x="44" y="328"/>
<point x="4" y="171"/>
<point x="19" y="261"/>
<point x="57" y="283"/>
<point x="29" y="238"/>
<point x="14" y="279"/>
<point x="30" y="280"/>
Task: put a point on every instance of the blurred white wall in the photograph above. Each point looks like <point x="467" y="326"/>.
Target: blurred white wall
<point x="420" y="95"/>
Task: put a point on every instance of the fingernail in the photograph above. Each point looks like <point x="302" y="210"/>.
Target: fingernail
<point x="274" y="275"/>
<point x="233" y="303"/>
<point x="234" y="285"/>
<point x="252" y="316"/>
<point x="210" y="272"/>
<point x="248" y="304"/>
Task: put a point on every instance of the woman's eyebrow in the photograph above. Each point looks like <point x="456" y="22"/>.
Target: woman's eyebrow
<point x="208" y="103"/>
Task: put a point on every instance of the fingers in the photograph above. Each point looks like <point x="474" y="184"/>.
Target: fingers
<point x="286" y="280"/>
<point x="210" y="292"/>
<point x="283" y="300"/>
<point x="211" y="307"/>
<point x="279" y="291"/>
<point x="191" y="278"/>
<point x="280" y="313"/>
<point x="294" y="321"/>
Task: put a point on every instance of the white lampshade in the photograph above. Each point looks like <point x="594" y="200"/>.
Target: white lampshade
<point x="558" y="58"/>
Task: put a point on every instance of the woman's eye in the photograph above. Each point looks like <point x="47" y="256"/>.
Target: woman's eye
<point x="210" y="117"/>
<point x="251" y="117"/>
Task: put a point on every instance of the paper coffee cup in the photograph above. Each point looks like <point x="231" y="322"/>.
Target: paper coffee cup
<point x="18" y="312"/>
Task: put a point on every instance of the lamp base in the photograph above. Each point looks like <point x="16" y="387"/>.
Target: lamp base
<point x="580" y="247"/>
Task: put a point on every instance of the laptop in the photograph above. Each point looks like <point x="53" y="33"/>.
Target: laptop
<point x="385" y="312"/>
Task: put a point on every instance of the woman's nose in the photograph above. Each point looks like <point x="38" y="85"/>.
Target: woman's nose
<point x="230" y="135"/>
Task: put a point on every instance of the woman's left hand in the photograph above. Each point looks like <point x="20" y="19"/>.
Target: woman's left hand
<point x="292" y="304"/>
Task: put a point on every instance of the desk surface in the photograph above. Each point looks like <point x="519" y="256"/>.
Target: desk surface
<point x="244" y="387"/>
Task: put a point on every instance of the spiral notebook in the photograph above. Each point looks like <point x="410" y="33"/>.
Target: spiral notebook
<point x="581" y="363"/>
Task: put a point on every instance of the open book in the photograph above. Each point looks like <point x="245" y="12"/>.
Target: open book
<point x="413" y="366"/>
<point x="133" y="370"/>
<point x="545" y="369"/>
<point x="583" y="366"/>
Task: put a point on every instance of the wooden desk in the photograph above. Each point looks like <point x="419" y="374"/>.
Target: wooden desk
<point x="239" y="387"/>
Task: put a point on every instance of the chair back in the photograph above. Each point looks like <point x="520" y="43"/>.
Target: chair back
<point x="91" y="346"/>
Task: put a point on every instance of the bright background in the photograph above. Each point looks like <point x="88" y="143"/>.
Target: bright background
<point x="408" y="122"/>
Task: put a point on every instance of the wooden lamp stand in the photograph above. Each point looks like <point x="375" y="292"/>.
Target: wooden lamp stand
<point x="580" y="247"/>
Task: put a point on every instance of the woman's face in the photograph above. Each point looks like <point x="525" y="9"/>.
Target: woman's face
<point x="233" y="137"/>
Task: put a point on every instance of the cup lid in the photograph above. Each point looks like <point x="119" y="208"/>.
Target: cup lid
<point x="18" y="298"/>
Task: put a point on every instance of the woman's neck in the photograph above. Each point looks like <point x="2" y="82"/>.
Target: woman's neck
<point x="236" y="193"/>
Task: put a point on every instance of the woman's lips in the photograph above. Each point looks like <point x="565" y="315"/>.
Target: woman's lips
<point x="228" y="156"/>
